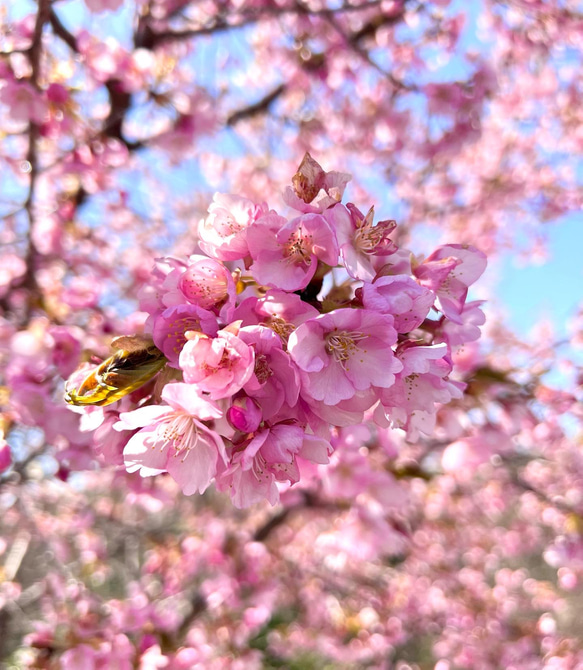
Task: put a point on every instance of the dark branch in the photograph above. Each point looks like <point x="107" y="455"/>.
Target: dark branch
<point x="262" y="533"/>
<point x="366" y="57"/>
<point x="220" y="24"/>
<point x="256" y="108"/>
<point x="61" y="32"/>
<point x="310" y="501"/>
<point x="120" y="102"/>
<point x="28" y="280"/>
<point x="370" y="28"/>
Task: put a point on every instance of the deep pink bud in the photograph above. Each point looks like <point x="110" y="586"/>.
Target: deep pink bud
<point x="244" y="415"/>
<point x="57" y="93"/>
<point x="5" y="455"/>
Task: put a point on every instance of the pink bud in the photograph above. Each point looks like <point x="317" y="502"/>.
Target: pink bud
<point x="57" y="93"/>
<point x="244" y="415"/>
<point x="5" y="455"/>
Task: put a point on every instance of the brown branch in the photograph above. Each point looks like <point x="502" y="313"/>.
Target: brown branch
<point x="263" y="532"/>
<point x="62" y="32"/>
<point x="365" y="56"/>
<point x="28" y="280"/>
<point x="220" y="24"/>
<point x="310" y="501"/>
<point x="256" y="108"/>
<point x="119" y="99"/>
<point x="119" y="103"/>
<point x="521" y="483"/>
<point x="370" y="28"/>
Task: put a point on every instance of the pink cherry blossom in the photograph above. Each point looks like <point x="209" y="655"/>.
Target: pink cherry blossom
<point x="422" y="382"/>
<point x="401" y="297"/>
<point x="23" y="101"/>
<point x="5" y="455"/>
<point x="244" y="414"/>
<point x="220" y="365"/>
<point x="275" y="378"/>
<point x="269" y="457"/>
<point x="463" y="456"/>
<point x="174" y="439"/>
<point x="223" y="233"/>
<point x="449" y="271"/>
<point x="66" y="348"/>
<point x="343" y="352"/>
<point x="99" y="6"/>
<point x="79" y="657"/>
<point x="446" y="531"/>
<point x="472" y="317"/>
<point x="278" y="310"/>
<point x="12" y="267"/>
<point x="170" y="327"/>
<point x="286" y="255"/>
<point x="201" y="281"/>
<point x="358" y="239"/>
<point x="314" y="190"/>
<point x="109" y="443"/>
<point x="151" y="293"/>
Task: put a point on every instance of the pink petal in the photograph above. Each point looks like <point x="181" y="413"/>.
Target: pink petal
<point x="141" y="453"/>
<point x="194" y="469"/>
<point x="184" y="396"/>
<point x="141" y="417"/>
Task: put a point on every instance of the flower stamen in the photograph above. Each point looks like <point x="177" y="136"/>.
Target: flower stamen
<point x="178" y="432"/>
<point x="341" y="345"/>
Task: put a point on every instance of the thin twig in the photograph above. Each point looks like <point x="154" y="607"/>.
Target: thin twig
<point x="256" y="108"/>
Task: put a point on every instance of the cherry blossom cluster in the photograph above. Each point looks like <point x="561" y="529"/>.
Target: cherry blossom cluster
<point x="285" y="328"/>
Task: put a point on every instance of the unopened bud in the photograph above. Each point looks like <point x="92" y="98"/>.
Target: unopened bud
<point x="244" y="415"/>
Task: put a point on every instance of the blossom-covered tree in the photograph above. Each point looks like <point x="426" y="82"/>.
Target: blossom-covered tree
<point x="284" y="445"/>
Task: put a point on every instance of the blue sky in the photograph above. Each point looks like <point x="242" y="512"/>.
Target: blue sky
<point x="553" y="289"/>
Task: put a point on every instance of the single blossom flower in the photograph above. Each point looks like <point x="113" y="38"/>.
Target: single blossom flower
<point x="170" y="328"/>
<point x="286" y="255"/>
<point x="401" y="297"/>
<point x="244" y="414"/>
<point x="344" y="351"/>
<point x="359" y="240"/>
<point x="270" y="457"/>
<point x="278" y="310"/>
<point x="275" y="379"/>
<point x="151" y="294"/>
<point x="174" y="438"/>
<point x="201" y="281"/>
<point x="66" y="350"/>
<point x="313" y="189"/>
<point x="455" y="333"/>
<point x="423" y="381"/>
<point x="219" y="366"/>
<point x="449" y="271"/>
<point x="223" y="234"/>
<point x="24" y="102"/>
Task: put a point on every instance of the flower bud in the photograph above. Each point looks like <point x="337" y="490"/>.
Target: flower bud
<point x="244" y="415"/>
<point x="5" y="455"/>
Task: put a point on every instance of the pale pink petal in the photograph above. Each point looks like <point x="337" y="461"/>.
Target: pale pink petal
<point x="184" y="396"/>
<point x="144" y="454"/>
<point x="330" y="385"/>
<point x="194" y="469"/>
<point x="141" y="417"/>
<point x="316" y="449"/>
